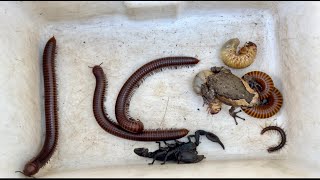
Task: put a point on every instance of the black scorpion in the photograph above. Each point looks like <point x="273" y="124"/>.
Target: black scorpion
<point x="185" y="152"/>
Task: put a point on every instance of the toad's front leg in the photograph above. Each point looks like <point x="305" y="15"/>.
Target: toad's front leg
<point x="207" y="94"/>
<point x="214" y="106"/>
<point x="234" y="114"/>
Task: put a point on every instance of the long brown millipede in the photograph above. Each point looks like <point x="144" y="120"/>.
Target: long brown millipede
<point x="113" y="128"/>
<point x="282" y="134"/>
<point x="123" y="100"/>
<point x="243" y="58"/>
<point x="265" y="83"/>
<point x="269" y="107"/>
<point x="51" y="111"/>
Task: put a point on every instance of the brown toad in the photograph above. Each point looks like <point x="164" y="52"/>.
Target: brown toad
<point x="223" y="86"/>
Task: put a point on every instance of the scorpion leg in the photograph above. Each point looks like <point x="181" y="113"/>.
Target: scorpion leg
<point x="169" y="145"/>
<point x="159" y="144"/>
<point x="157" y="155"/>
<point x="234" y="114"/>
<point x="167" y="155"/>
<point x="178" y="143"/>
<point x="179" y="159"/>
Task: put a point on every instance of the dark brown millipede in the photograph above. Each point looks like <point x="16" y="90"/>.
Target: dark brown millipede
<point x="123" y="100"/>
<point x="113" y="128"/>
<point x="271" y="107"/>
<point x="282" y="134"/>
<point x="51" y="111"/>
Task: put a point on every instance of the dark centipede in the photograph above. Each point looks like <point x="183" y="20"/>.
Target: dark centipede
<point x="51" y="111"/>
<point x="264" y="80"/>
<point x="113" y="128"/>
<point x="269" y="108"/>
<point x="123" y="100"/>
<point x="282" y="134"/>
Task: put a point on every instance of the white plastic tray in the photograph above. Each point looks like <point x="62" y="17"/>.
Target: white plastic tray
<point x="125" y="36"/>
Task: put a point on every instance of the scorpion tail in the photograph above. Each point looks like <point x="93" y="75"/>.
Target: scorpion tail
<point x="201" y="132"/>
<point x="197" y="135"/>
<point x="212" y="137"/>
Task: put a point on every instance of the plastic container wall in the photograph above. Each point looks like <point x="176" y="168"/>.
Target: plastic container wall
<point x="126" y="35"/>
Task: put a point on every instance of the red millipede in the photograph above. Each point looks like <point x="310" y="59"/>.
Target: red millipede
<point x="51" y="111"/>
<point x="113" y="128"/>
<point x="123" y="100"/>
<point x="282" y="134"/>
<point x="270" y="108"/>
<point x="264" y="80"/>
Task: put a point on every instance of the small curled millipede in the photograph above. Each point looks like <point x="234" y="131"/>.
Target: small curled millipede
<point x="51" y="112"/>
<point x="123" y="100"/>
<point x="270" y="96"/>
<point x="113" y="128"/>
<point x="282" y="134"/>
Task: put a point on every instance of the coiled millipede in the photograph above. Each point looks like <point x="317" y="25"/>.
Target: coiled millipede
<point x="271" y="98"/>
